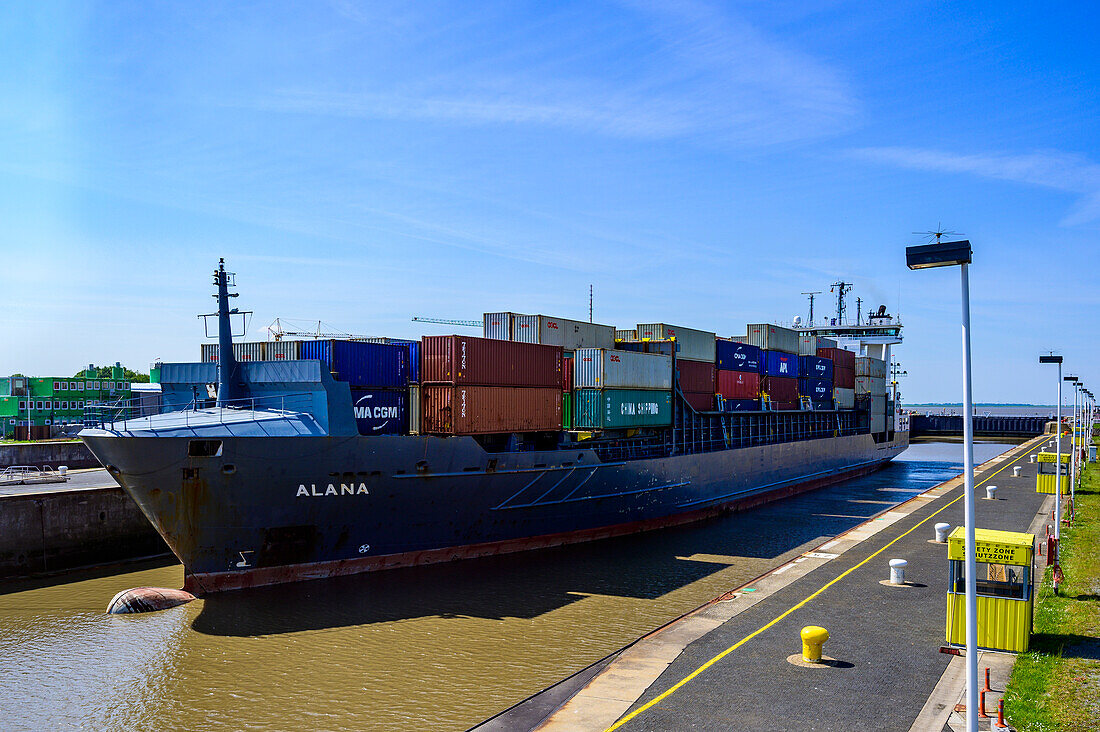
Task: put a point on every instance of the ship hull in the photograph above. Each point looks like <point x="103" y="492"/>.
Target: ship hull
<point x="271" y="510"/>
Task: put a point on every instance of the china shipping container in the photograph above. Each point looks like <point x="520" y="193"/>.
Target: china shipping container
<point x="626" y="335"/>
<point x="694" y="345"/>
<point x="603" y="368"/>
<point x="469" y="360"/>
<point x="868" y="366"/>
<point x="873" y="385"/>
<point x="844" y="378"/>
<point x="621" y="408"/>
<point x="569" y="334"/>
<point x="739" y="405"/>
<point x="841" y="357"/>
<point x="780" y="363"/>
<point x="695" y="376"/>
<point x="816" y="389"/>
<point x="449" y="409"/>
<point x="733" y="356"/>
<point x="700" y="401"/>
<point x="844" y="398"/>
<point x="567" y="364"/>
<point x="380" y="411"/>
<point x="668" y="348"/>
<point x="739" y="384"/>
<point x="780" y="389"/>
<point x="567" y="410"/>
<point x="808" y="344"/>
<point x="815" y="367"/>
<point x="769" y="337"/>
<point x="414" y="409"/>
<point x="360" y="363"/>
<point x="497" y="326"/>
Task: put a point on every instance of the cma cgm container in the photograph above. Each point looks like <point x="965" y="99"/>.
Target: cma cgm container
<point x="739" y="385"/>
<point x="815" y="367"/>
<point x="694" y="345"/>
<point x="695" y="377"/>
<point x="818" y="390"/>
<point x="498" y="326"/>
<point x="844" y="378"/>
<point x="868" y="366"/>
<point x="602" y="368"/>
<point x="779" y="363"/>
<point x="769" y="337"/>
<point x="780" y="389"/>
<point x="668" y="348"/>
<point x="739" y="405"/>
<point x="808" y="344"/>
<point x="458" y="359"/>
<point x="842" y="358"/>
<point x="381" y="411"/>
<point x="448" y="409"/>
<point x="733" y="356"/>
<point x="870" y="385"/>
<point x="569" y="334"/>
<point x="597" y="409"/>
<point x="844" y="398"/>
<point x="360" y="363"/>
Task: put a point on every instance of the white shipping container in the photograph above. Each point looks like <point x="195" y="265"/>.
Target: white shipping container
<point x="569" y="334"/>
<point x="603" y="368"/>
<point x="808" y="344"/>
<point x="626" y="335"/>
<point x="498" y="326"/>
<point x="283" y="350"/>
<point x="414" y="409"/>
<point x="255" y="351"/>
<point x="872" y="385"/>
<point x="693" y="345"/>
<point x="772" y="337"/>
<point x="878" y="413"/>
<point x="844" y="398"/>
<point x="869" y="366"/>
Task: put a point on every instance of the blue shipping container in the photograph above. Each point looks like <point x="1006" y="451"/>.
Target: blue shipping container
<point x="817" y="390"/>
<point x="381" y="411"/>
<point x="778" y="363"/>
<point x="730" y="356"/>
<point x="360" y="363"/>
<point x="815" y="367"/>
<point x="819" y="406"/>
<point x="739" y="405"/>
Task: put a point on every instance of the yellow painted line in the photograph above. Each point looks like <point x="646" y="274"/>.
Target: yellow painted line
<point x="675" y="687"/>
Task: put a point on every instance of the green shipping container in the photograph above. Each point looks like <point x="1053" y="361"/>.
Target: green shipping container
<point x="567" y="411"/>
<point x="596" y="409"/>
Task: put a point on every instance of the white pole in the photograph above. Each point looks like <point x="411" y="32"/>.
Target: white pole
<point x="1058" y="472"/>
<point x="1073" y="459"/>
<point x="968" y="501"/>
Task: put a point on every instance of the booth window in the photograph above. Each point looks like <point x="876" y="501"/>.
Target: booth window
<point x="994" y="580"/>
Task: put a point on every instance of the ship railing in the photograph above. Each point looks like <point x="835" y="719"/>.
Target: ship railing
<point x="130" y="414"/>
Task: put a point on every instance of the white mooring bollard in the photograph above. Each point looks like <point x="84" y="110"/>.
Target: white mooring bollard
<point x="941" y="532"/>
<point x="991" y="492"/>
<point x="1031" y="458"/>
<point x="897" y="571"/>
<point x="62" y="470"/>
<point x="1016" y="471"/>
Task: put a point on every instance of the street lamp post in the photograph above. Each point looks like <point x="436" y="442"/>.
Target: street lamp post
<point x="1057" y="465"/>
<point x="1073" y="448"/>
<point x="947" y="254"/>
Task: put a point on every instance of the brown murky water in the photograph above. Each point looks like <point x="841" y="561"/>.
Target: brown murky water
<point x="430" y="648"/>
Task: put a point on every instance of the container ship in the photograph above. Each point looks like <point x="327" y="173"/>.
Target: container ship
<point x="282" y="461"/>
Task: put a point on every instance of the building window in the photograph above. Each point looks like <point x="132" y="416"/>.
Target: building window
<point x="39" y="406"/>
<point x="22" y="406"/>
<point x="57" y="386"/>
<point x="80" y="386"/>
<point x="96" y="385"/>
<point x="72" y="386"/>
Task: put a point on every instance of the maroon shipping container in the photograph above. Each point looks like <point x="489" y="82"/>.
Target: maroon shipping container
<point x="786" y="406"/>
<point x="448" y="409"/>
<point x="567" y="374"/>
<point x="844" y="378"/>
<point x="841" y="358"/>
<point x="781" y="389"/>
<point x="472" y="361"/>
<point x="738" y="384"/>
<point x="701" y="401"/>
<point x="696" y="376"/>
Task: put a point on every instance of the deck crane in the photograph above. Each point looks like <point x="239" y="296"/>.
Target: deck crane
<point x="446" y="321"/>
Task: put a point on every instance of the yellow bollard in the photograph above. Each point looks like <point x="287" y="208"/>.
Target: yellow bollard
<point x="813" y="637"/>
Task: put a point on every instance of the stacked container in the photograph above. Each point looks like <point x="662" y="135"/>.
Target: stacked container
<point x="622" y="408"/>
<point x="780" y="382"/>
<point x="567" y="363"/>
<point x="844" y="376"/>
<point x="692" y="345"/>
<point x="497" y="326"/>
<point x="617" y="389"/>
<point x="569" y="334"/>
<point x="769" y="337"/>
<point x="740" y="367"/>
<point x="809" y="344"/>
<point x="815" y="380"/>
<point x="378" y="375"/>
<point x="255" y="351"/>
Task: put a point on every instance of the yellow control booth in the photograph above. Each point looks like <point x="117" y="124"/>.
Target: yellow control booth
<point x="1044" y="480"/>
<point x="1005" y="565"/>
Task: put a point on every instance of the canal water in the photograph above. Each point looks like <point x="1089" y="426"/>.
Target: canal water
<point x="431" y="648"/>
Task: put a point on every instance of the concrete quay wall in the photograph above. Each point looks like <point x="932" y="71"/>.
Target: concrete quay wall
<point x="54" y="454"/>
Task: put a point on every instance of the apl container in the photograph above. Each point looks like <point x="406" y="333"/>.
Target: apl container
<point x="694" y="345"/>
<point x="602" y="368"/>
<point x="808" y="344"/>
<point x="484" y="361"/>
<point x="868" y="366"/>
<point x="733" y="356"/>
<point x="695" y="376"/>
<point x="815" y="367"/>
<point x="817" y="390"/>
<point x="779" y="363"/>
<point x="360" y="363"/>
<point x="780" y="389"/>
<point x="569" y="334"/>
<point x="844" y="398"/>
<point x="841" y="357"/>
<point x="739" y="385"/>
<point x="770" y="337"/>
<point x="873" y="385"/>
<point x="498" y="326"/>
<point x="596" y="409"/>
<point x="381" y="411"/>
<point x="739" y="405"/>
<point x="449" y="409"/>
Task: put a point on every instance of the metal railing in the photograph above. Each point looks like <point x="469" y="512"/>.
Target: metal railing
<point x="131" y="414"/>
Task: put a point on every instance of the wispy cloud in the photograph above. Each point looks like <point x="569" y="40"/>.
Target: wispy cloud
<point x="1049" y="169"/>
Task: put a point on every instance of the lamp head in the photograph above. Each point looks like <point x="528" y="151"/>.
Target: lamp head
<point x="940" y="254"/>
<point x="1050" y="359"/>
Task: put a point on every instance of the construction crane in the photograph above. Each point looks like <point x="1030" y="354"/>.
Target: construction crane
<point x="278" y="332"/>
<point x="446" y="321"/>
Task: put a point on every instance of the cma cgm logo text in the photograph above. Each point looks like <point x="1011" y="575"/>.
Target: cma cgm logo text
<point x="367" y="411"/>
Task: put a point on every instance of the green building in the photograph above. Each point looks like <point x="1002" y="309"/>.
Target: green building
<point x="55" y="401"/>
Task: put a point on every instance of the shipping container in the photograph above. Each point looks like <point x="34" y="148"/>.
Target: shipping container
<point x="567" y="410"/>
<point x="732" y="356"/>
<point x="868" y="366"/>
<point x="700" y="401"/>
<point x="871" y="385"/>
<point x="695" y="376"/>
<point x="780" y="363"/>
<point x="785" y="406"/>
<point x="823" y="406"/>
<point x="844" y="378"/>
<point x="567" y="363"/>
<point x="569" y="334"/>
<point x="487" y="362"/>
<point x="668" y="348"/>
<point x="595" y="409"/>
<point x="360" y="363"/>
<point x="602" y="368"/>
<point x="626" y="335"/>
<point x="254" y="351"/>
<point x="380" y="411"/>
<point x="739" y="405"/>
<point x="414" y="409"/>
<point x="413" y="347"/>
<point x="739" y="384"/>
<point x="694" y="345"/>
<point x="498" y="326"/>
<point x="449" y="409"/>
<point x="878" y="413"/>
<point x="769" y="337"/>
<point x="808" y="344"/>
<point x="780" y="389"/>
<point x="844" y="398"/>
<point x="815" y="367"/>
<point x="841" y="357"/>
<point x="284" y="350"/>
<point x="816" y="389"/>
<point x="740" y="339"/>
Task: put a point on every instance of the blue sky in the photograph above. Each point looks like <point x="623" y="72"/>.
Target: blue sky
<point x="698" y="163"/>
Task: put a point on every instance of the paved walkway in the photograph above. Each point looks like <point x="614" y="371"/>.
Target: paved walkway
<point x="85" y="479"/>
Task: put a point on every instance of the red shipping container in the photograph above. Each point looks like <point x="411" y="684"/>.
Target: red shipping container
<point x="786" y="406"/>
<point x="841" y="357"/>
<point x="472" y="361"/>
<point x="781" y="389"/>
<point x="567" y="374"/>
<point x="701" y="401"/>
<point x="696" y="376"/>
<point x="738" y="384"/>
<point x="844" y="378"/>
<point x="448" y="409"/>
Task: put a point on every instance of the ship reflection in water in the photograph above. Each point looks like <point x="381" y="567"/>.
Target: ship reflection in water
<point x="437" y="647"/>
